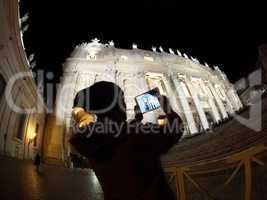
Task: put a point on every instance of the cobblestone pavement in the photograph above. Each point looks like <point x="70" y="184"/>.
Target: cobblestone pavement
<point x="19" y="180"/>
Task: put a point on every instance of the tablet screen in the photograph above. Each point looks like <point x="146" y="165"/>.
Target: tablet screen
<point x="148" y="101"/>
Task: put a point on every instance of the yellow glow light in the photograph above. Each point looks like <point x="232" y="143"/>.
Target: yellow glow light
<point x="31" y="134"/>
<point x="161" y="122"/>
<point x="82" y="117"/>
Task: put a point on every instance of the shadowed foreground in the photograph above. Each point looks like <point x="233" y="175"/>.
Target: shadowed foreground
<point x="19" y="180"/>
<point x="227" y="164"/>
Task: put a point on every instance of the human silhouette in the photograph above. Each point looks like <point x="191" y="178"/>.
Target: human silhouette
<point x="37" y="162"/>
<point x="126" y="159"/>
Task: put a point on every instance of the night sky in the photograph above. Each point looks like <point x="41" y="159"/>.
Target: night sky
<point x="220" y="34"/>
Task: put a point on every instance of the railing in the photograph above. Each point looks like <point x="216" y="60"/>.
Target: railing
<point x="182" y="176"/>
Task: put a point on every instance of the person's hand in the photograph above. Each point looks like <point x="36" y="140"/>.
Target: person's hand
<point x="138" y="114"/>
<point x="165" y="104"/>
<point x="171" y="115"/>
<point x="82" y="117"/>
<point x="77" y="113"/>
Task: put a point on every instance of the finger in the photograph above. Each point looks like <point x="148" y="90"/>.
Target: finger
<point x="137" y="109"/>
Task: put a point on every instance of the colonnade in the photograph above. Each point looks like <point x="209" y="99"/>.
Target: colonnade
<point x="189" y="107"/>
<point x="183" y="92"/>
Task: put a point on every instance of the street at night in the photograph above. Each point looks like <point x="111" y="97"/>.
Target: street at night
<point x="19" y="180"/>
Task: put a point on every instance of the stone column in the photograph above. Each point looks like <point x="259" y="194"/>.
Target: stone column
<point x="214" y="110"/>
<point x="53" y="142"/>
<point x="127" y="83"/>
<point x="233" y="99"/>
<point x="171" y="95"/>
<point x="237" y="99"/>
<point x="65" y="95"/>
<point x="172" y="98"/>
<point x="57" y="124"/>
<point x="72" y="83"/>
<point x="228" y="102"/>
<point x="197" y="103"/>
<point x="218" y="101"/>
<point x="185" y="105"/>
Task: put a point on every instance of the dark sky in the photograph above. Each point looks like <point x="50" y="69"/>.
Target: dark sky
<point x="220" y="34"/>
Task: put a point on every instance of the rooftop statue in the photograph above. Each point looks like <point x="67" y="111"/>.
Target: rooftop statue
<point x="194" y="59"/>
<point x="94" y="47"/>
<point x="33" y="64"/>
<point x="25" y="28"/>
<point x="185" y="55"/>
<point x="31" y="57"/>
<point x="134" y="46"/>
<point x="154" y="48"/>
<point x="171" y="51"/>
<point x="161" y="49"/>
<point x="111" y="43"/>
<point x="179" y="53"/>
<point x="24" y="18"/>
<point x="217" y="68"/>
<point x="95" y="40"/>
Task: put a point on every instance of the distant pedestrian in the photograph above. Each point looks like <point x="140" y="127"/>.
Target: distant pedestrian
<point x="37" y="162"/>
<point x="69" y="162"/>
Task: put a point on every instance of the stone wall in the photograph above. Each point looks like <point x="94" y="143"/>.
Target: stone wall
<point x="17" y="130"/>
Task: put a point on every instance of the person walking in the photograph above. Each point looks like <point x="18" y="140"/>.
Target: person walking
<point x="37" y="162"/>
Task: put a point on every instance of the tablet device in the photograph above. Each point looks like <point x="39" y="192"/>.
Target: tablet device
<point x="148" y="101"/>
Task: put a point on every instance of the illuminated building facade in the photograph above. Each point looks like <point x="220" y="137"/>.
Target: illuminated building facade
<point x="21" y="133"/>
<point x="202" y="96"/>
